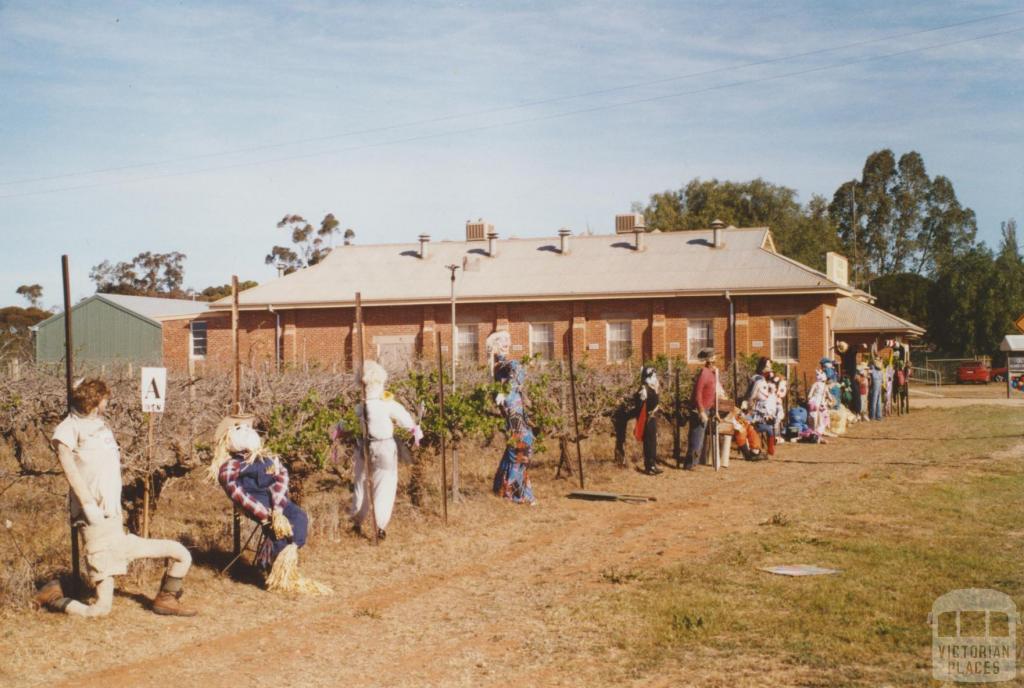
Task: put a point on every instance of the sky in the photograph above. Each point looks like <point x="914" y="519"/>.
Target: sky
<point x="196" y="126"/>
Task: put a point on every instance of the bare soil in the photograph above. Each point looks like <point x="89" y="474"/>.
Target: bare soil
<point x="498" y="597"/>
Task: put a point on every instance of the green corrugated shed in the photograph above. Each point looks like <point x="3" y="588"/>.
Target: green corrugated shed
<point x="102" y="332"/>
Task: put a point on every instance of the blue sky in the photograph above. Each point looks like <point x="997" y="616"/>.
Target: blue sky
<point x="195" y="127"/>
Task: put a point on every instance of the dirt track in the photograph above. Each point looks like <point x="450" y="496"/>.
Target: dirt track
<point x="497" y="598"/>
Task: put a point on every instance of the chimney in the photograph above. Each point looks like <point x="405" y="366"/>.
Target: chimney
<point x="349" y="236"/>
<point x="492" y="243"/>
<point x="624" y="224"/>
<point x="280" y="269"/>
<point x="717" y="226"/>
<point x="638" y="235"/>
<point x="478" y="231"/>
<point x="424" y="240"/>
<point x="563" y="236"/>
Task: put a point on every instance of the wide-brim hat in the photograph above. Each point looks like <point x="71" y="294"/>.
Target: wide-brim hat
<point x="706" y="354"/>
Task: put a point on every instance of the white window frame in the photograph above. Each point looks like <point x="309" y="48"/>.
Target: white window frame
<point x="467" y="327"/>
<point x="608" y="340"/>
<point x="796" y="339"/>
<point x="550" y="326"/>
<point x="404" y="340"/>
<point x="692" y="351"/>
<point x="192" y="342"/>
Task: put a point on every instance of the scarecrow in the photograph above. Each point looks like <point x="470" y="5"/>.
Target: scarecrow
<point x="705" y="393"/>
<point x="257" y="483"/>
<point x="512" y="479"/>
<point x="382" y="411"/>
<point x="646" y="401"/>
<point x="91" y="461"/>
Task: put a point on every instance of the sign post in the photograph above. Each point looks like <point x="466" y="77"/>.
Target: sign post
<point x="154" y="395"/>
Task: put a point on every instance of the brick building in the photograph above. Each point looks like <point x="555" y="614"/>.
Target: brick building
<point x="627" y="297"/>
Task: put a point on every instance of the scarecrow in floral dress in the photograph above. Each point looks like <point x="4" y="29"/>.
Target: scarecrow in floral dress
<point x="512" y="480"/>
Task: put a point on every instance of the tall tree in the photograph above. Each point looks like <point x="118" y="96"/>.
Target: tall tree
<point x="219" y="292"/>
<point x="15" y="332"/>
<point x="310" y="245"/>
<point x="802" y="233"/>
<point x="965" y="305"/>
<point x="147" y="274"/>
<point x="896" y="219"/>
<point x="33" y="293"/>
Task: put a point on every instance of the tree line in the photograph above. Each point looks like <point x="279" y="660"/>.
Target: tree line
<point x="909" y="240"/>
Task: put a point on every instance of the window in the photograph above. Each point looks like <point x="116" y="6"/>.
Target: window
<point x="542" y="341"/>
<point x="784" y="340"/>
<point x="700" y="334"/>
<point x="197" y="331"/>
<point x="620" y="341"/>
<point x="467" y="344"/>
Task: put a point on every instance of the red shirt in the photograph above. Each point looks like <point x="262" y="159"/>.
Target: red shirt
<point x="704" y="390"/>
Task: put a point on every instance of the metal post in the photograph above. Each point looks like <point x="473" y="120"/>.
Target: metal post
<point x="444" y="460"/>
<point x="69" y="367"/>
<point x="236" y="402"/>
<point x="237" y="395"/>
<point x="363" y="448"/>
<point x="575" y="412"/>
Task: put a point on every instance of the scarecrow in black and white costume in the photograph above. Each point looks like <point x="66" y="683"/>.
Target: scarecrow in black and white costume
<point x="646" y="402"/>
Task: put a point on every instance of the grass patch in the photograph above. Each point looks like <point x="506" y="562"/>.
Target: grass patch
<point x="899" y="543"/>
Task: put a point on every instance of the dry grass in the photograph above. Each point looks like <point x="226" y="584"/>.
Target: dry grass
<point x="567" y="593"/>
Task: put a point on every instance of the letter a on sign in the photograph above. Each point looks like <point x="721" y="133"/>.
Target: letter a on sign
<point x="154" y="389"/>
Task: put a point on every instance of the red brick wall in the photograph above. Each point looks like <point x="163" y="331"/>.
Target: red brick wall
<point x="658" y="326"/>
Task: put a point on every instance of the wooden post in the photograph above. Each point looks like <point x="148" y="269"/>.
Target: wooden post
<point x="69" y="367"/>
<point x="146" y="478"/>
<point x="364" y="444"/>
<point x="236" y="403"/>
<point x="575" y="411"/>
<point x="676" y="415"/>
<point x="444" y="460"/>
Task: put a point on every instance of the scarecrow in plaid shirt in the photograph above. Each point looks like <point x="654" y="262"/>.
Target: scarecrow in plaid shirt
<point x="258" y="484"/>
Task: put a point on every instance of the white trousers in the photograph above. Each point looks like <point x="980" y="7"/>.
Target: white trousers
<point x="179" y="560"/>
<point x="384" y="459"/>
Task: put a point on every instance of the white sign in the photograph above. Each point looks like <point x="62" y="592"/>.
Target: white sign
<point x="1015" y="362"/>
<point x="154" y="389"/>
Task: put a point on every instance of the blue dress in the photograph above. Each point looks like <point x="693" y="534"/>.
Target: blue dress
<point x="512" y="480"/>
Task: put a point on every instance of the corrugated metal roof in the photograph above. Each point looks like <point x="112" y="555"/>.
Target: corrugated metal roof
<point x="157" y="308"/>
<point x="534" y="269"/>
<point x="854" y="315"/>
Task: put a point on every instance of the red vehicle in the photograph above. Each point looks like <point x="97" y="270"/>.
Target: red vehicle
<point x="998" y="374"/>
<point x="973" y="371"/>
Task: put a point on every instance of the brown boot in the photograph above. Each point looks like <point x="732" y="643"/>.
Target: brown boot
<point x="168" y="601"/>
<point x="48" y="595"/>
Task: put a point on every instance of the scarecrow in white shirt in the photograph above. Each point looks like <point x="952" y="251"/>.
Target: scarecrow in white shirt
<point x="382" y="412"/>
<point x="91" y="461"/>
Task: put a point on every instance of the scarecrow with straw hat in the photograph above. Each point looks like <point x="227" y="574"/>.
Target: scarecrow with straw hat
<point x="257" y="483"/>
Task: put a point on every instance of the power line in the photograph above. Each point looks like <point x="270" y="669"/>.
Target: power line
<point x="528" y="120"/>
<point x="504" y="108"/>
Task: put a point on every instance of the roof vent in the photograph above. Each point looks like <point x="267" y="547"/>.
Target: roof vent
<point x="563" y="236"/>
<point x="717" y="227"/>
<point x="624" y="224"/>
<point x="478" y="231"/>
<point x="492" y="243"/>
<point x="424" y="240"/>
<point x="638" y="235"/>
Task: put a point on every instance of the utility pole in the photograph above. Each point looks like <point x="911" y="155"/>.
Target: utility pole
<point x="453" y="268"/>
